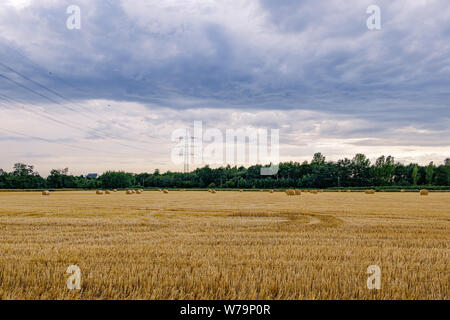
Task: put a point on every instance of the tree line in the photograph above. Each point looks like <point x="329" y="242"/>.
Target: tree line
<point x="357" y="172"/>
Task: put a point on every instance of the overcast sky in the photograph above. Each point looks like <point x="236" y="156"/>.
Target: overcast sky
<point x="109" y="95"/>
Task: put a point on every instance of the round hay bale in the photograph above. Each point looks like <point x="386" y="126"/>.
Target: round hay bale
<point x="138" y="191"/>
<point x="297" y="192"/>
<point x="165" y="191"/>
<point x="107" y="192"/>
<point x="115" y="190"/>
<point x="403" y="190"/>
<point x="370" y="191"/>
<point x="424" y="192"/>
<point x="339" y="190"/>
<point x="99" y="192"/>
<point x="241" y="190"/>
<point x="314" y="192"/>
<point x="290" y="192"/>
<point x="129" y="192"/>
<point x="348" y="191"/>
<point x="45" y="193"/>
<point x="271" y="191"/>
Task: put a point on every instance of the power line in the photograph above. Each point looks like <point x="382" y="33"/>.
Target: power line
<point x="45" y="88"/>
<point x="33" y="91"/>
<point x="50" y="90"/>
<point x="102" y="135"/>
<point x="47" y="117"/>
<point x="54" y="92"/>
<point x="61" y="143"/>
<point x="58" y="103"/>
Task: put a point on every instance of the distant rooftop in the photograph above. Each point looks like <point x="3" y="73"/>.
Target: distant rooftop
<point x="92" y="175"/>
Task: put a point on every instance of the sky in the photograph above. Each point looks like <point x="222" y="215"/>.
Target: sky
<point x="109" y="95"/>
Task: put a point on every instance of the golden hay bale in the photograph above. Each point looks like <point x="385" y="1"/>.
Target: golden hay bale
<point x="129" y="192"/>
<point x="424" y="192"/>
<point x="45" y="193"/>
<point x="339" y="190"/>
<point x="271" y="191"/>
<point x="297" y="192"/>
<point x="403" y="190"/>
<point x="290" y="192"/>
<point x="241" y="190"/>
<point x="370" y="191"/>
<point x="213" y="191"/>
<point x="314" y="192"/>
<point x="165" y="191"/>
<point x="348" y="191"/>
<point x="182" y="190"/>
<point x="115" y="190"/>
<point x="99" y="192"/>
<point x="107" y="192"/>
<point x="138" y="191"/>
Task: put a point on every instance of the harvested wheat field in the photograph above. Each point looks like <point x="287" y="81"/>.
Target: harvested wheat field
<point x="234" y="245"/>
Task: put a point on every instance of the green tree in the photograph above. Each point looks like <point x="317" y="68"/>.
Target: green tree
<point x="429" y="173"/>
<point x="361" y="170"/>
<point x="116" y="179"/>
<point x="57" y="178"/>
<point x="318" y="159"/>
<point x="24" y="177"/>
<point x="442" y="175"/>
<point x="23" y="170"/>
<point x="415" y="175"/>
<point x="384" y="170"/>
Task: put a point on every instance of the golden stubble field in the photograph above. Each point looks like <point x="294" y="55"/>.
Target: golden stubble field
<point x="228" y="245"/>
